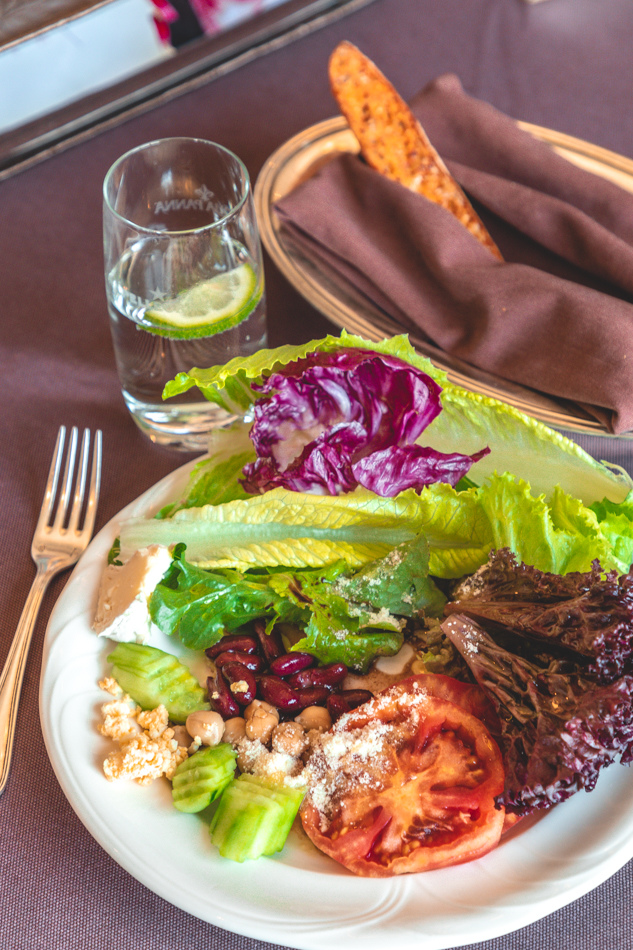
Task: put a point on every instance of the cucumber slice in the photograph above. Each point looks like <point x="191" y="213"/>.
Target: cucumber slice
<point x="152" y="677"/>
<point x="282" y="795"/>
<point x="243" y="832"/>
<point x="242" y="829"/>
<point x="202" y="778"/>
<point x="253" y="818"/>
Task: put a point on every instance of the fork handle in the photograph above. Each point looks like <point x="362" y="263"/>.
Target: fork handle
<point x="13" y="672"/>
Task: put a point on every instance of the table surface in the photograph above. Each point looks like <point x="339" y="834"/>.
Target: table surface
<point x="564" y="64"/>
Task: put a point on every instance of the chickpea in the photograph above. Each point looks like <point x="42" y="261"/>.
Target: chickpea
<point x="243" y="762"/>
<point x="206" y="725"/>
<point x="234" y="730"/>
<point x="289" y="738"/>
<point x="261" y="718"/>
<point x="314" y="717"/>
<point x="181" y="735"/>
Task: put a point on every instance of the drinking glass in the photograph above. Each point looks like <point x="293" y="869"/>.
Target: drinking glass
<point x="184" y="278"/>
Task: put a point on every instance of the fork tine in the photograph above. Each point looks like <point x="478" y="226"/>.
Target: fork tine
<point x="53" y="478"/>
<point x="69" y="471"/>
<point x="80" y="485"/>
<point x="95" y="485"/>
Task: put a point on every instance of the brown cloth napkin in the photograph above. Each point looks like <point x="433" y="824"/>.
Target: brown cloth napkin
<point x="556" y="315"/>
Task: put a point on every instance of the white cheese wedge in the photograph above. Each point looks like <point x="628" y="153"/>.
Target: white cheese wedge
<point x="122" y="607"/>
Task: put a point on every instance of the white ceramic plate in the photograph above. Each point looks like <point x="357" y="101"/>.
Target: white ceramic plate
<point x="300" y="898"/>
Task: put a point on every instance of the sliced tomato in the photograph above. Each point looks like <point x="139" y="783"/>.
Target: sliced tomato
<point x="468" y="695"/>
<point x="406" y="782"/>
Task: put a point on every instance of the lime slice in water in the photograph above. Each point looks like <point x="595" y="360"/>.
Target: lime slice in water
<point x="207" y="308"/>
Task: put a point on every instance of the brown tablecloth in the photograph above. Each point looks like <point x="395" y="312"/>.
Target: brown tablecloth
<point x="565" y="64"/>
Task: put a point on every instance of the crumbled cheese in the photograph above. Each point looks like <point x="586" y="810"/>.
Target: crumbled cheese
<point x="239" y="686"/>
<point x="109" y="685"/>
<point x="122" y="607"/>
<point x="342" y="633"/>
<point x="472" y="585"/>
<point x="350" y="756"/>
<point x="154" y="721"/>
<point x="119" y="719"/>
<point x="147" y="745"/>
<point x="377" y="618"/>
<point x="144" y="759"/>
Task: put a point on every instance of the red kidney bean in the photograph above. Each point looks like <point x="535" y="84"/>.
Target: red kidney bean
<point x="291" y="663"/>
<point x="336" y="706"/>
<point x="277" y="692"/>
<point x="313" y="696"/>
<point x="328" y="676"/>
<point x="252" y="661"/>
<point x="355" y="697"/>
<point x="271" y="643"/>
<point x="221" y="697"/>
<point x="235" y="641"/>
<point x="237" y="673"/>
<point x="339" y="703"/>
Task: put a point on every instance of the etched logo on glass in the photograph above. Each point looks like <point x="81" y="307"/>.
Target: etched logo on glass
<point x="203" y="202"/>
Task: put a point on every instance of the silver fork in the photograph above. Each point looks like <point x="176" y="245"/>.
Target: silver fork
<point x="56" y="546"/>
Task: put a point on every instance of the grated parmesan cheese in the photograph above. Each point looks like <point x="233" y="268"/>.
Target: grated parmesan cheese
<point x="342" y="759"/>
<point x="254" y="757"/>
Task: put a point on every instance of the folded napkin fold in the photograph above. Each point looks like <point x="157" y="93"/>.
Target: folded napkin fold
<point x="556" y="315"/>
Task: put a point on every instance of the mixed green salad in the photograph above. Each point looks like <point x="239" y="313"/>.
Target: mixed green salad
<point x="359" y="489"/>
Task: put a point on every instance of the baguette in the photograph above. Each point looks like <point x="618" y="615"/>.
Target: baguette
<point x="392" y="140"/>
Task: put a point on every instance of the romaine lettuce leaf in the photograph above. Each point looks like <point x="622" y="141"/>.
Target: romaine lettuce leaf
<point x="231" y="385"/>
<point x="299" y="530"/>
<point x="521" y="445"/>
<point x="556" y="536"/>
<point x="215" y="479"/>
<point x="282" y="528"/>
<point x="616" y="524"/>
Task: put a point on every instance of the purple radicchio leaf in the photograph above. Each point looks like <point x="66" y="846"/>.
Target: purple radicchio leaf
<point x="559" y="729"/>
<point x="590" y="614"/>
<point x="323" y="466"/>
<point x="334" y="421"/>
<point x="411" y="466"/>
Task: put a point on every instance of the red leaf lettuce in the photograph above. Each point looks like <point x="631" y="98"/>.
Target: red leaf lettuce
<point x="559" y="727"/>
